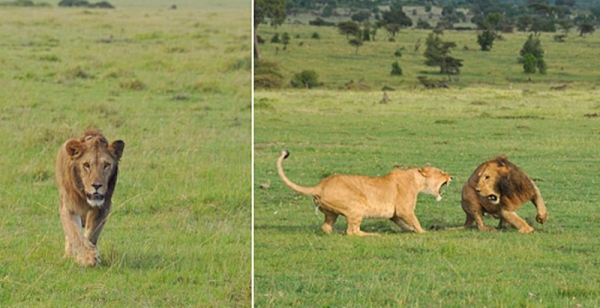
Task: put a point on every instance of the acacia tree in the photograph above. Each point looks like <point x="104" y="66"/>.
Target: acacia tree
<point x="393" y="20"/>
<point x="438" y="54"/>
<point x="271" y="10"/>
<point x="356" y="42"/>
<point x="349" y="28"/>
<point x="586" y="27"/>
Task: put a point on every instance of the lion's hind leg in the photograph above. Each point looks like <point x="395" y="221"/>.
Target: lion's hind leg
<point x="330" y="218"/>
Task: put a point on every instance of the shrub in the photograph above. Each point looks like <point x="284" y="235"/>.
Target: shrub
<point x="529" y="63"/>
<point x="533" y="48"/>
<point x="486" y="39"/>
<point x="267" y="75"/>
<point x="306" y="79"/>
<point x="398" y="53"/>
<point x="321" y="22"/>
<point x="396" y="69"/>
<point x="275" y="39"/>
<point x="315" y="36"/>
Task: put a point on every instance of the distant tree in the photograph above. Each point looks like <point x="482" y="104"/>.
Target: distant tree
<point x="569" y="3"/>
<point x="585" y="28"/>
<point x="320" y="22"/>
<point x="392" y="29"/>
<point x="524" y="22"/>
<point x="486" y="39"/>
<point x="437" y="53"/>
<point x="396" y="16"/>
<point x="422" y="24"/>
<point x="356" y="42"/>
<point x="271" y="10"/>
<point x="366" y="31"/>
<point x="285" y="40"/>
<point x="361" y="16"/>
<point x="348" y="28"/>
<point x="533" y="48"/>
<point x="540" y="24"/>
<point x="566" y="25"/>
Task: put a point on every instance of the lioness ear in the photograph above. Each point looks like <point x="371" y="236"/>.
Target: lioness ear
<point x="117" y="148"/>
<point x="423" y="172"/>
<point x="74" y="148"/>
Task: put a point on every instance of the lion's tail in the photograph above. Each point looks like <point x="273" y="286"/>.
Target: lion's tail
<point x="301" y="189"/>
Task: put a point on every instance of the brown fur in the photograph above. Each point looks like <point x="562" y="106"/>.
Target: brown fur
<point x="393" y="196"/>
<point x="500" y="188"/>
<point x="86" y="175"/>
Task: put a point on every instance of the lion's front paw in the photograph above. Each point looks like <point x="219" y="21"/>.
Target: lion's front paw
<point x="542" y="217"/>
<point x="89" y="257"/>
<point x="526" y="229"/>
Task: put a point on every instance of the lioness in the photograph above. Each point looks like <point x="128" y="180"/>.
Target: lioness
<point x="392" y="196"/>
<point x="86" y="175"/>
<point x="499" y="187"/>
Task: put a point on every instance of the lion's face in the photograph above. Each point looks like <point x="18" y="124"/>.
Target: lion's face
<point x="435" y="180"/>
<point x="490" y="176"/>
<point x="96" y="164"/>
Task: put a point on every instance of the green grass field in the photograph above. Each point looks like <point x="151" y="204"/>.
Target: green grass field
<point x="552" y="135"/>
<point x="175" y="86"/>
<point x="336" y="63"/>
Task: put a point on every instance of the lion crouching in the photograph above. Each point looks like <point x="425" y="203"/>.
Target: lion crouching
<point x="500" y="188"/>
<point x="86" y="175"/>
<point x="393" y="196"/>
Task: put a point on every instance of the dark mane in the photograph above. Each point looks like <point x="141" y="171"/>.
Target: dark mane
<point x="515" y="182"/>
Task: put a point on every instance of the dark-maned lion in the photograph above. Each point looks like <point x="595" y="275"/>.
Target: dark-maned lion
<point x="500" y="188"/>
<point x="393" y="196"/>
<point x="86" y="175"/>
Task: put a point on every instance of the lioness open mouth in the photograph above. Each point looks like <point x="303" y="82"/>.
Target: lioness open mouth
<point x="439" y="196"/>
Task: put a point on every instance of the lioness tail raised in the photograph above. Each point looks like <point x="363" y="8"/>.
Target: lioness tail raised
<point x="301" y="189"/>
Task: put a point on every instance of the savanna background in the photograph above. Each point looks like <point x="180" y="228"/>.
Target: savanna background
<point x="545" y="123"/>
<point x="175" y="84"/>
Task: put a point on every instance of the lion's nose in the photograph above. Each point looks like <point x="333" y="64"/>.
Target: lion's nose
<point x="96" y="185"/>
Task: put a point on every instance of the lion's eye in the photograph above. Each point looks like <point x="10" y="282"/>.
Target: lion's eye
<point x="487" y="177"/>
<point x="106" y="166"/>
<point x="86" y="166"/>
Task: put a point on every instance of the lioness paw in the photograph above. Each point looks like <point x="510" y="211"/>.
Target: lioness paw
<point x="542" y="218"/>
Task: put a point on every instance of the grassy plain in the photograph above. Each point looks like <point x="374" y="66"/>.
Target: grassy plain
<point x="331" y="130"/>
<point x="335" y="61"/>
<point x="175" y="85"/>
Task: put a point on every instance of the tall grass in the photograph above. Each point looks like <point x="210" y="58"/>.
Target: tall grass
<point x="175" y="86"/>
<point x="550" y="134"/>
